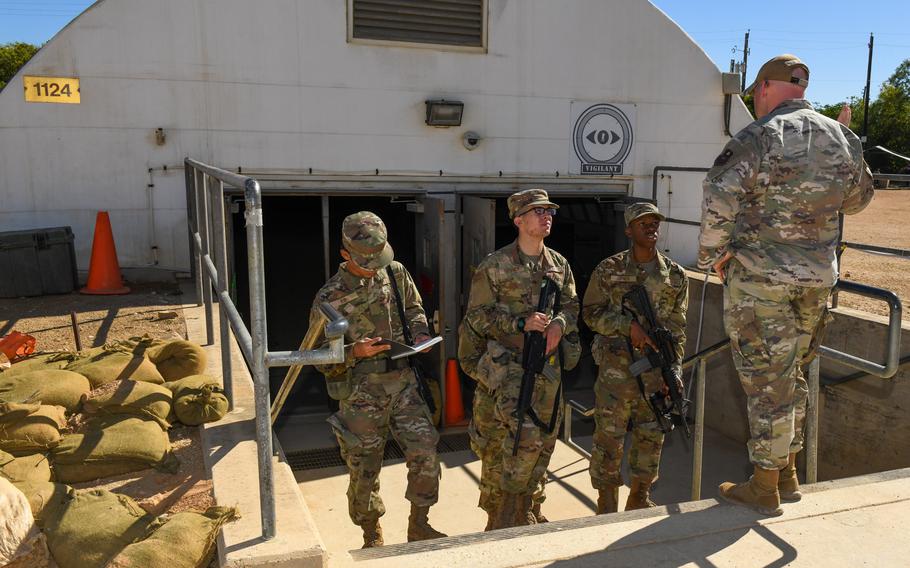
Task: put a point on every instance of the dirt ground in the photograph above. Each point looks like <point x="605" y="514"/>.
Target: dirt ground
<point x="152" y="309"/>
<point x="885" y="222"/>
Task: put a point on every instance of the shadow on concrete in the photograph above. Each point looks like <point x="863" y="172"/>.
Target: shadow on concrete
<point x="685" y="539"/>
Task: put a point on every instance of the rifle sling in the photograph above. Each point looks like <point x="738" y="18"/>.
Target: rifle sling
<point x="422" y="388"/>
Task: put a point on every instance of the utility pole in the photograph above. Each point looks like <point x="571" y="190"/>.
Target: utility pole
<point x="866" y="92"/>
<point x="745" y="58"/>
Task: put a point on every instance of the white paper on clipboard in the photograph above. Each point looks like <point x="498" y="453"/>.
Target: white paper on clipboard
<point x="400" y="350"/>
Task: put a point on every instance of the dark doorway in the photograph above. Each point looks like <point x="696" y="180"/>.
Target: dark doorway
<point x="295" y="271"/>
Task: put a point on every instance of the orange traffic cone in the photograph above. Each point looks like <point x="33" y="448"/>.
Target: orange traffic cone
<point x="454" y="405"/>
<point x="104" y="270"/>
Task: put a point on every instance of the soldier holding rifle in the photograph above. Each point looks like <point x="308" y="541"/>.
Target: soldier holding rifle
<point x="620" y="397"/>
<point x="503" y="309"/>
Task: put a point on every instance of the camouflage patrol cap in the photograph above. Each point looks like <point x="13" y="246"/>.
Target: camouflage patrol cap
<point x="364" y="236"/>
<point x="780" y="68"/>
<point x="523" y="201"/>
<point x="640" y="209"/>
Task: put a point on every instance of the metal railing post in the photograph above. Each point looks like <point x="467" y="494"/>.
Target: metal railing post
<point x="217" y="197"/>
<point x="260" y="374"/>
<point x="812" y="422"/>
<point x="699" y="443"/>
<point x="197" y="254"/>
<point x="204" y="232"/>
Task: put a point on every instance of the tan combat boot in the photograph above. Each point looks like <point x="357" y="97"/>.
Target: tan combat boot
<point x="787" y="482"/>
<point x="759" y="493"/>
<point x="372" y="534"/>
<point x="639" y="495"/>
<point x="608" y="500"/>
<point x="419" y="525"/>
<point x="538" y="516"/>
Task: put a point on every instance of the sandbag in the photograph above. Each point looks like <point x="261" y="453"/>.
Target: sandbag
<point x="112" y="445"/>
<point x="20" y="540"/>
<point x="146" y="400"/>
<point x="30" y="428"/>
<point x="185" y="540"/>
<point x="93" y="527"/>
<point x="47" y="386"/>
<point x="178" y="359"/>
<point x="198" y="399"/>
<point x="113" y="363"/>
<point x="45" y="498"/>
<point x="27" y="468"/>
<point x="39" y="362"/>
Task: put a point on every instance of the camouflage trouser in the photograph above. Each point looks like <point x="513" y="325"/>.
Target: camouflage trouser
<point x="618" y="400"/>
<point x="774" y="328"/>
<point x="378" y="405"/>
<point x="487" y="442"/>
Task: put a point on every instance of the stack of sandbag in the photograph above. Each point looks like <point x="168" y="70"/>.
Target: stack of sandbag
<point x="30" y="428"/>
<point x="34" y="467"/>
<point x="93" y="526"/>
<point x="41" y="361"/>
<point x="112" y="362"/>
<point x="22" y="545"/>
<point x="198" y="399"/>
<point x="55" y="387"/>
<point x="112" y="445"/>
<point x="182" y="540"/>
<point x="146" y="400"/>
<point x="177" y="359"/>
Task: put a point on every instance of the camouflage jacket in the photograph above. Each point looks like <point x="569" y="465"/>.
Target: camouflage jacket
<point x="668" y="290"/>
<point x="774" y="194"/>
<point x="503" y="289"/>
<point x="369" y="305"/>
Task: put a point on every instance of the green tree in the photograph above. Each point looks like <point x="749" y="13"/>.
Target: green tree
<point x="889" y="121"/>
<point x="12" y="57"/>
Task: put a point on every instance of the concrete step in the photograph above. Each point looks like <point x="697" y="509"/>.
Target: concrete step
<point x="849" y="522"/>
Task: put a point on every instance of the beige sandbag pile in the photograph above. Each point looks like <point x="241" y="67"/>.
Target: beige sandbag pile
<point x="26" y="468"/>
<point x="198" y="399"/>
<point x="93" y="527"/>
<point x="112" y="445"/>
<point x="56" y="387"/>
<point x="184" y="540"/>
<point x="21" y="543"/>
<point x="30" y="428"/>
<point x="146" y="400"/>
<point x="42" y="361"/>
<point x="115" y="362"/>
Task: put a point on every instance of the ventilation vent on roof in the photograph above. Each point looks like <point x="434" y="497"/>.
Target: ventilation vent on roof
<point x="439" y="22"/>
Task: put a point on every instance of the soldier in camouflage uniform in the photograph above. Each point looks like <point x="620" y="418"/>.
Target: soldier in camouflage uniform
<point x="770" y="229"/>
<point x="501" y="307"/>
<point x="376" y="395"/>
<point x="619" y="398"/>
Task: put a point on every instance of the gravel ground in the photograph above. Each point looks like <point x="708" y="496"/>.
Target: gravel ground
<point x="884" y="223"/>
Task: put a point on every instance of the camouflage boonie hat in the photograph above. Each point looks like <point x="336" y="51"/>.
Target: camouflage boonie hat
<point x="780" y="68"/>
<point x="640" y="209"/>
<point x="523" y="201"/>
<point x="364" y="236"/>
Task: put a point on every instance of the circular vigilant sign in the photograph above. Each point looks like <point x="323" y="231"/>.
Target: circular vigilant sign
<point x="602" y="135"/>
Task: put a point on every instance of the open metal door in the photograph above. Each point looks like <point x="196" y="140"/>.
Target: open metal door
<point x="434" y="271"/>
<point x="478" y="238"/>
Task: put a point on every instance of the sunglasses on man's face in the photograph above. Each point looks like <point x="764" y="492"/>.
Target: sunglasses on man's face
<point x="541" y="211"/>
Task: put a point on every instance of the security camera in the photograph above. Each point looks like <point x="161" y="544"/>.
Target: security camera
<point x="471" y="140"/>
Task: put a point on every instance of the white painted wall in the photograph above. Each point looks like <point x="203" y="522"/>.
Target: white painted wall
<point x="276" y="85"/>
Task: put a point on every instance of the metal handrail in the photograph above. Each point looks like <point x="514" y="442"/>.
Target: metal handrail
<point x="206" y="221"/>
<point x="892" y="362"/>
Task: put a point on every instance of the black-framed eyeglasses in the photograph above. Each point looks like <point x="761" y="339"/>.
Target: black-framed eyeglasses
<point x="541" y="211"/>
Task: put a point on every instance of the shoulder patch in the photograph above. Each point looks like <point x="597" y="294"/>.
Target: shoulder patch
<point x="723" y="158"/>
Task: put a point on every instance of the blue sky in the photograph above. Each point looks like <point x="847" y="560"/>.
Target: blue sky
<point x="830" y="36"/>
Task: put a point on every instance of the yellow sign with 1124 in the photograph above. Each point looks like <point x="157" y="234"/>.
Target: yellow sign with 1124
<point x="51" y="89"/>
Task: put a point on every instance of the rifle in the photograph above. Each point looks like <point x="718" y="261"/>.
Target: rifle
<point x="664" y="358"/>
<point x="533" y="361"/>
<point x="423" y="388"/>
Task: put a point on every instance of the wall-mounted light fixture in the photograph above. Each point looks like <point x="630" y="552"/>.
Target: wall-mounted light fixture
<point x="444" y="113"/>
